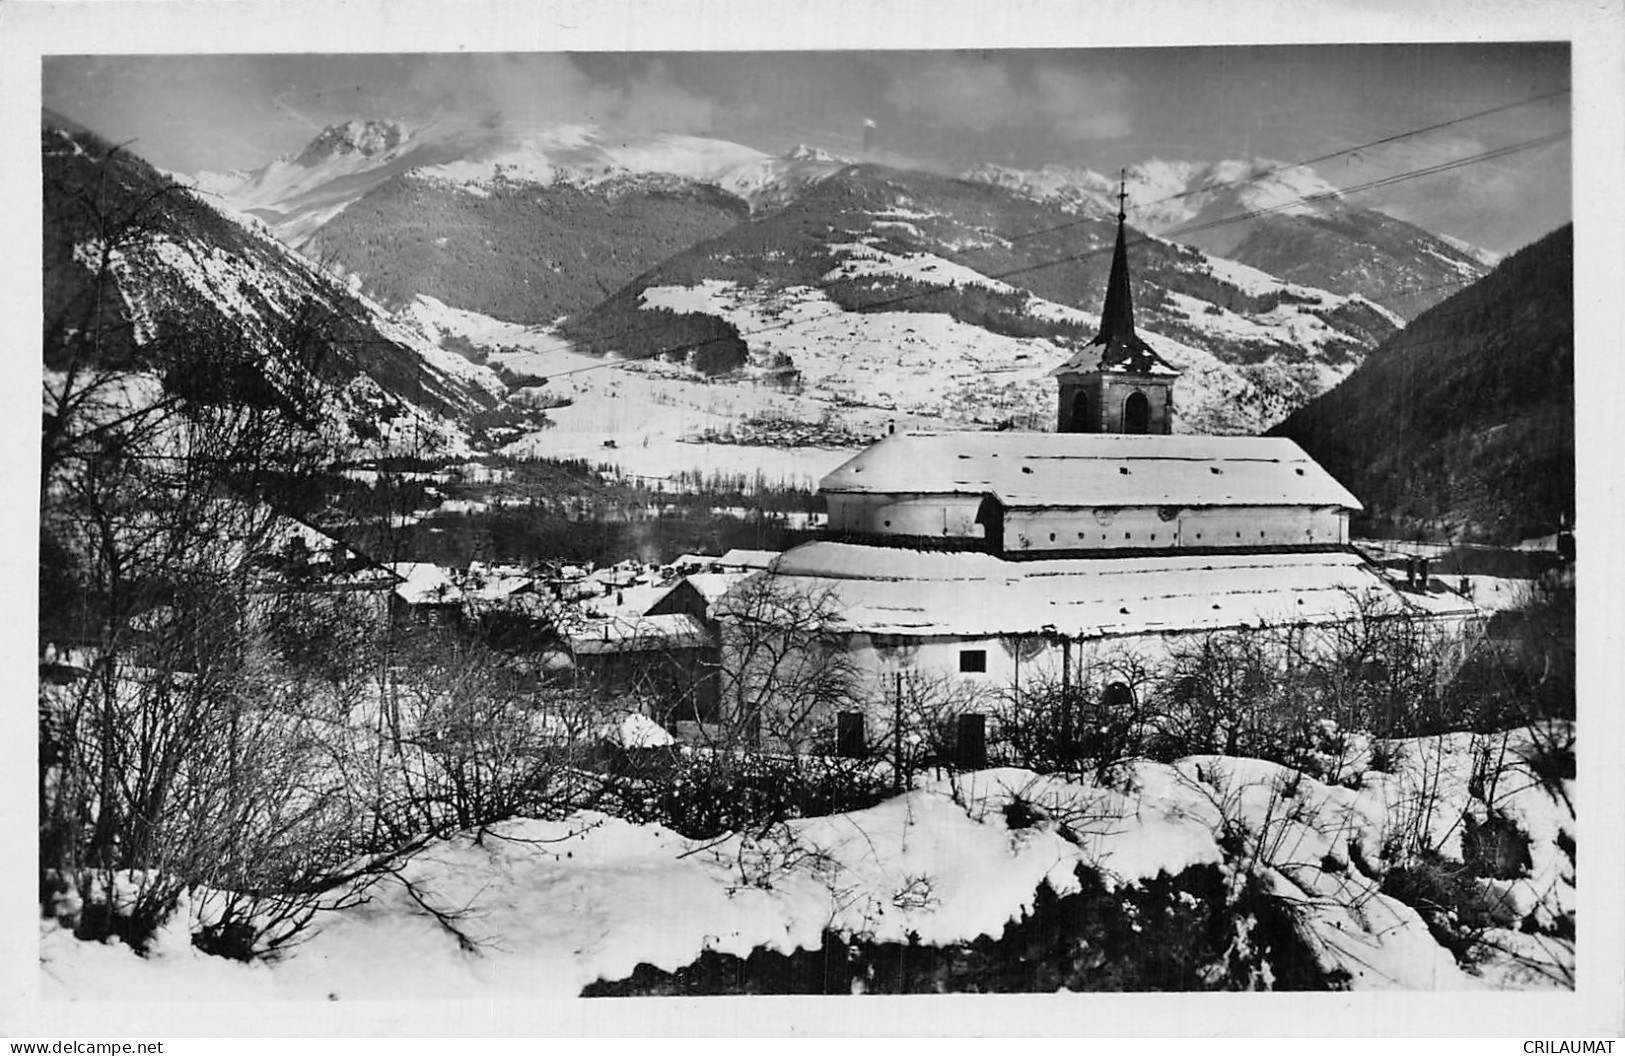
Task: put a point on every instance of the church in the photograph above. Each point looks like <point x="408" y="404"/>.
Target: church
<point x="991" y="558"/>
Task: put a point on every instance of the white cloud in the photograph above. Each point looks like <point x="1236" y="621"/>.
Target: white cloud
<point x="979" y="93"/>
<point x="1080" y="105"/>
<point x="538" y="90"/>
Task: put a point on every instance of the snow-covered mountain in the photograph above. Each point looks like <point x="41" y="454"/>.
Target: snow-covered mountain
<point x="180" y="268"/>
<point x="1170" y="194"/>
<point x="774" y="182"/>
<point x="933" y="298"/>
<point x="1284" y="219"/>
<point x="525" y="226"/>
<point x="941" y="298"/>
<point x="297" y="194"/>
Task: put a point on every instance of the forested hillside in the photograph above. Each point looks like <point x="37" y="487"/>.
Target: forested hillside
<point x="1462" y="424"/>
<point x="520" y="251"/>
<point x="1396" y="264"/>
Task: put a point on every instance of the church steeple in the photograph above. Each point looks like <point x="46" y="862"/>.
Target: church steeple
<point x="1116" y="383"/>
<point x="1117" y="317"/>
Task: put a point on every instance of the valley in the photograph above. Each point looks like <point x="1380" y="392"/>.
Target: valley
<point x="585" y="557"/>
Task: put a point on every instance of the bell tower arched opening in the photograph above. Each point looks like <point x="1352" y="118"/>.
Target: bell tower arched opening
<point x="1136" y="413"/>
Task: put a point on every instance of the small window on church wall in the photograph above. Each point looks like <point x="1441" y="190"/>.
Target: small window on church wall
<point x="1118" y="697"/>
<point x="972" y="660"/>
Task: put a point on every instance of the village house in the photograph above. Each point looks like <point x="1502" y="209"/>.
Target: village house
<point x="989" y="559"/>
<point x="667" y="660"/>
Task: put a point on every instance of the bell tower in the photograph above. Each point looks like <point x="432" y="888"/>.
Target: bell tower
<point x="1116" y="383"/>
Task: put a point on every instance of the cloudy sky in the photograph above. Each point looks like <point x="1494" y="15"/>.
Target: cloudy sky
<point x="943" y="110"/>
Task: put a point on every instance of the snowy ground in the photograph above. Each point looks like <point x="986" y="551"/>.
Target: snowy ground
<point x="653" y="413"/>
<point x="551" y="906"/>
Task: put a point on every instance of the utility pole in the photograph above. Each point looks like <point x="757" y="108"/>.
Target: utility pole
<point x="1066" y="697"/>
<point x="897" y="734"/>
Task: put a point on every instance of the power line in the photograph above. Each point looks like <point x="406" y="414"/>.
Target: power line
<point x="904" y="298"/>
<point x="1254" y="177"/>
<point x="1053" y="262"/>
<point x="1384" y="181"/>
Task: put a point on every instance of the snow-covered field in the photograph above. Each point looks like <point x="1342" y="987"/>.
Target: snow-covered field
<point x="551" y="906"/>
<point x="648" y="418"/>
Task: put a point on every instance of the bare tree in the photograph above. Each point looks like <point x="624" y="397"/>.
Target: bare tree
<point x="786" y="670"/>
<point x="173" y="764"/>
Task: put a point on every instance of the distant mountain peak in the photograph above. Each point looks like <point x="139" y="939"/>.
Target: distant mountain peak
<point x="805" y="152"/>
<point x="367" y="138"/>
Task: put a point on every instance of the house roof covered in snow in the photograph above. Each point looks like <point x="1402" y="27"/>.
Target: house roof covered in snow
<point x="636" y="633"/>
<point x="889" y="590"/>
<point x="428" y="584"/>
<point x="713" y="585"/>
<point x="708" y="585"/>
<point x="1093" y="469"/>
<point x="748" y="558"/>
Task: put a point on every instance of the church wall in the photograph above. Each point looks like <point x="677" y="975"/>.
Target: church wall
<point x="934" y="683"/>
<point x="1116" y="390"/>
<point x="1104" y="396"/>
<point x="1116" y="527"/>
<point x="932" y="516"/>
<point x="1263" y="526"/>
<point x="1100" y="528"/>
<point x="1089" y="528"/>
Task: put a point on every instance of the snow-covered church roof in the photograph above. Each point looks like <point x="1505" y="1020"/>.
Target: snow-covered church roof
<point x="888" y="590"/>
<point x="1093" y="469"/>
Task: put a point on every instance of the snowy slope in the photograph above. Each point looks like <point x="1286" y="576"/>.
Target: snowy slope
<point x="923" y="366"/>
<point x="195" y="269"/>
<point x="551" y="906"/>
<point x="650" y="419"/>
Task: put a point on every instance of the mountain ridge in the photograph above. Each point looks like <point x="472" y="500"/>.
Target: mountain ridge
<point x="178" y="266"/>
<point x="1280" y="218"/>
<point x="1461" y="425"/>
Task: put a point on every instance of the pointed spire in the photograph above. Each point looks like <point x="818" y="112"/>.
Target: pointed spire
<point x="1117" y="318"/>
